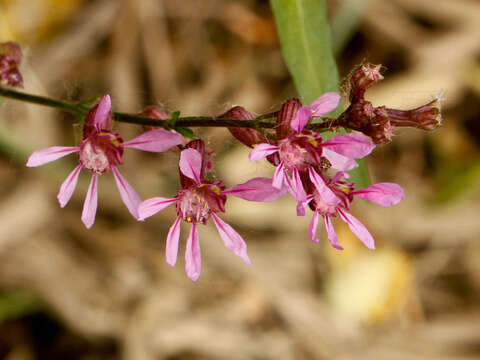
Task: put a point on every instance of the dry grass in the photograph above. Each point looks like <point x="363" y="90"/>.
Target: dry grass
<point x="107" y="293"/>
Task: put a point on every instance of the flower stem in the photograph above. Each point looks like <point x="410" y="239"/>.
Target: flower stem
<point x="190" y="121"/>
<point x="42" y="100"/>
<point x="186" y="121"/>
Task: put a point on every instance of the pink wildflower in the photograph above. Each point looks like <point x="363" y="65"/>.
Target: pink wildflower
<point x="100" y="152"/>
<point x="335" y="199"/>
<point x="301" y="151"/>
<point x="10" y="59"/>
<point x="197" y="202"/>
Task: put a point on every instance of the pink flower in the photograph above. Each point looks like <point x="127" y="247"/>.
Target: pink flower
<point x="100" y="152"/>
<point x="10" y="59"/>
<point x="335" y="199"/>
<point x="197" y="202"/>
<point x="300" y="151"/>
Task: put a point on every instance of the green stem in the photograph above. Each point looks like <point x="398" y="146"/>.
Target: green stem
<point x="41" y="100"/>
<point x="78" y="108"/>
<point x="190" y="121"/>
<point x="187" y="121"/>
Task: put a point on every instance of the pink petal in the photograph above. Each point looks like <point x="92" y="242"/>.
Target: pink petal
<point x="331" y="234"/>
<point x="301" y="205"/>
<point x="279" y="176"/>
<point x="338" y="176"/>
<point x="297" y="191"/>
<point x="231" y="239"/>
<point x="47" y="155"/>
<point x="324" y="104"/>
<point x="312" y="229"/>
<point x="262" y="150"/>
<point x="301" y="119"/>
<point x="173" y="236"/>
<point x="325" y="192"/>
<point x="353" y="146"/>
<point x="384" y="194"/>
<point x="129" y="196"/>
<point x="101" y="115"/>
<point x="296" y="187"/>
<point x="68" y="186"/>
<point x="257" y="189"/>
<point x="151" y="206"/>
<point x="358" y="229"/>
<point x="157" y="140"/>
<point x="191" y="164"/>
<point x="90" y="204"/>
<point x="193" y="256"/>
<point x="339" y="162"/>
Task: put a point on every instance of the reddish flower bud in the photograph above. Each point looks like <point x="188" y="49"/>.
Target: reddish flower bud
<point x="426" y="117"/>
<point x="380" y="122"/>
<point x="10" y="59"/>
<point x="13" y="50"/>
<point x="249" y="137"/>
<point x="153" y="112"/>
<point x="362" y="78"/>
<point x="359" y="115"/>
<point x="285" y="117"/>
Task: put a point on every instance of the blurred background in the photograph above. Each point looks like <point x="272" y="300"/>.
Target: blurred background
<point x="107" y="293"/>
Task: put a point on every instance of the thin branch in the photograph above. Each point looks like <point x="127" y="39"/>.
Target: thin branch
<point x="186" y="121"/>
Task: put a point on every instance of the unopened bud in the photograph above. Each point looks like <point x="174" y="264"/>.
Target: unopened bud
<point x="249" y="137"/>
<point x="13" y="50"/>
<point x="359" y="115"/>
<point x="426" y="117"/>
<point x="362" y="78"/>
<point x="153" y="112"/>
<point x="285" y="117"/>
<point x="10" y="59"/>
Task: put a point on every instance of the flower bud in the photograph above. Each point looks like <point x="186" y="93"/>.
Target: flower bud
<point x="13" y="50"/>
<point x="153" y="112"/>
<point x="285" y="117"/>
<point x="359" y="115"/>
<point x="362" y="78"/>
<point x="10" y="59"/>
<point x="426" y="117"/>
<point x="379" y="122"/>
<point x="249" y="137"/>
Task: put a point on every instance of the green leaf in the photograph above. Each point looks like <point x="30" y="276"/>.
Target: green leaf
<point x="307" y="50"/>
<point x="187" y="132"/>
<point x="175" y="115"/>
<point x="15" y="304"/>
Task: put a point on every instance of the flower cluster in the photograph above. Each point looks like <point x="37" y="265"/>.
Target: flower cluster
<point x="101" y="151"/>
<point x="10" y="59"/>
<point x="304" y="162"/>
<point x="310" y="166"/>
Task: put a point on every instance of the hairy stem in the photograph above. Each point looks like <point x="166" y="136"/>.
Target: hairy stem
<point x="187" y="121"/>
<point x="79" y="108"/>
<point x="41" y="100"/>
